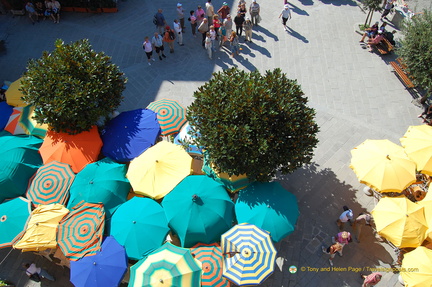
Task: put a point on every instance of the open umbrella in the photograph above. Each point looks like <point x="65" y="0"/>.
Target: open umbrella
<point x="80" y="232"/>
<point x="5" y="113"/>
<point x="159" y="169"/>
<point x="13" y="94"/>
<point x="168" y="265"/>
<point x="140" y="226"/>
<point x="41" y="230"/>
<point x="19" y="160"/>
<point x="104" y="182"/>
<point x="184" y="137"/>
<point x="250" y="255"/>
<point x="30" y="125"/>
<point x="198" y="209"/>
<point x="400" y="221"/>
<point x="75" y="150"/>
<point x="210" y="255"/>
<point x="270" y="207"/>
<point x="106" y="268"/>
<point x="170" y="114"/>
<point x="13" y="125"/>
<point x="416" y="269"/>
<point x="13" y="218"/>
<point x="417" y="142"/>
<point x="129" y="134"/>
<point x="427" y="206"/>
<point x="383" y="165"/>
<point x="51" y="184"/>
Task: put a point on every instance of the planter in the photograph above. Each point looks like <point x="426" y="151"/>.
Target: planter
<point x="67" y="9"/>
<point x="110" y="10"/>
<point x="20" y="12"/>
<point x="80" y="9"/>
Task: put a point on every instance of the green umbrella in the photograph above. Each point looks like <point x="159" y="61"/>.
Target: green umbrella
<point x="13" y="218"/>
<point x="270" y="207"/>
<point x="140" y="226"/>
<point x="19" y="160"/>
<point x="101" y="182"/>
<point x="198" y="209"/>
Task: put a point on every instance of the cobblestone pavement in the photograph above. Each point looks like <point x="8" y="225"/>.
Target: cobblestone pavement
<point x="354" y="92"/>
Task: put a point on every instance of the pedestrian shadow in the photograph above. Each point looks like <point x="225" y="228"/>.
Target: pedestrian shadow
<point x="304" y="2"/>
<point x="339" y="2"/>
<point x="266" y="32"/>
<point x="297" y="35"/>
<point x="247" y="49"/>
<point x="297" y="10"/>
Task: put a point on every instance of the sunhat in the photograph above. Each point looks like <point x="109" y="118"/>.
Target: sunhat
<point x="224" y="4"/>
<point x="179" y="4"/>
<point x="286" y="6"/>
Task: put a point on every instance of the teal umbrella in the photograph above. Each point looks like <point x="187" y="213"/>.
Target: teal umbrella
<point x="198" y="209"/>
<point x="270" y="207"/>
<point x="13" y="219"/>
<point x="19" y="160"/>
<point x="104" y="182"/>
<point x="140" y="226"/>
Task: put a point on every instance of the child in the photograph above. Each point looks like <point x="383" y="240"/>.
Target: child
<point x="208" y="44"/>
<point x="234" y="43"/>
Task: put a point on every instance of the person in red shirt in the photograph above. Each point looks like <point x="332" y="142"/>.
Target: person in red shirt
<point x="375" y="41"/>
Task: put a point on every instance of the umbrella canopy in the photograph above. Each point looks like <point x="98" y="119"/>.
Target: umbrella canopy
<point x="184" y="136"/>
<point x="400" y="221"/>
<point x="427" y="205"/>
<point x="159" y="169"/>
<point x="19" y="160"/>
<point x="417" y="142"/>
<point x="80" y="232"/>
<point x="383" y="166"/>
<point x="13" y="218"/>
<point x="29" y="124"/>
<point x="168" y="265"/>
<point x="250" y="255"/>
<point x="270" y="207"/>
<point x="198" y="209"/>
<point x="13" y="125"/>
<point x="5" y="113"/>
<point x="13" y="94"/>
<point x="416" y="269"/>
<point x="140" y="226"/>
<point x="210" y="255"/>
<point x="129" y="134"/>
<point x="170" y="114"/>
<point x="106" y="268"/>
<point x="101" y="182"/>
<point x="51" y="184"/>
<point x="41" y="230"/>
<point x="75" y="150"/>
<point x="233" y="183"/>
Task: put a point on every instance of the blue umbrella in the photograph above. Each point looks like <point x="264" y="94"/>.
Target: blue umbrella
<point x="106" y="268"/>
<point x="5" y="112"/>
<point x="129" y="134"/>
<point x="270" y="207"/>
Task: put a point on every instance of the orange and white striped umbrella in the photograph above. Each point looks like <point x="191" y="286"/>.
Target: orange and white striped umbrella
<point x="211" y="258"/>
<point x="170" y="114"/>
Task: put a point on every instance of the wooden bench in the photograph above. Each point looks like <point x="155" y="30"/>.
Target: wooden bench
<point x="385" y="47"/>
<point x="402" y="64"/>
<point x="402" y="75"/>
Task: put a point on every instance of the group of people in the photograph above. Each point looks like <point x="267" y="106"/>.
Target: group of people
<point x="43" y="9"/>
<point x="376" y="34"/>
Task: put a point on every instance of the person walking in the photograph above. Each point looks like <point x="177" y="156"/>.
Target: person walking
<point x="208" y="45"/>
<point x="228" y="24"/>
<point x="247" y="26"/>
<point x="387" y="8"/>
<point x="203" y="29"/>
<point x="371" y="279"/>
<point x="169" y="37"/>
<point x="361" y="220"/>
<point x="180" y="16"/>
<point x="254" y="11"/>
<point x="193" y="22"/>
<point x="200" y="15"/>
<point x="159" y="21"/>
<point x="346" y="216"/>
<point x="331" y="250"/>
<point x="179" y="32"/>
<point x="223" y="11"/>
<point x="238" y="21"/>
<point x="234" y="43"/>
<point x="213" y="37"/>
<point x="209" y="11"/>
<point x="157" y="42"/>
<point x="286" y="15"/>
<point x="343" y="238"/>
<point x="33" y="270"/>
<point x="148" y="49"/>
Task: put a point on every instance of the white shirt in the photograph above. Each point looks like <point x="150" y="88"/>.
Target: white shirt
<point x="286" y="13"/>
<point x="147" y="47"/>
<point x="209" y="9"/>
<point x="33" y="269"/>
<point x="157" y="42"/>
<point x="346" y="215"/>
<point x="177" y="27"/>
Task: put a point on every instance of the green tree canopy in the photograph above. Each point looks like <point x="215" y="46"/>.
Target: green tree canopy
<point x="254" y="124"/>
<point x="416" y="48"/>
<point x="72" y="87"/>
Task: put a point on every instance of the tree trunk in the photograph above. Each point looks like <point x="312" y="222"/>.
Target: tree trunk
<point x="370" y="19"/>
<point x="367" y="17"/>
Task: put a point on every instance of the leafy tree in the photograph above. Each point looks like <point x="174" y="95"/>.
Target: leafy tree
<point x="371" y="6"/>
<point x="72" y="87"/>
<point x="253" y="124"/>
<point x="416" y="49"/>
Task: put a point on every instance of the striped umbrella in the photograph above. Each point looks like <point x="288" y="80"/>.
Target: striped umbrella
<point x="51" y="184"/>
<point x="250" y="255"/>
<point x="30" y="126"/>
<point x="211" y="257"/>
<point x="80" y="232"/>
<point x="171" y="115"/>
<point x="168" y="265"/>
<point x="13" y="218"/>
<point x="13" y="125"/>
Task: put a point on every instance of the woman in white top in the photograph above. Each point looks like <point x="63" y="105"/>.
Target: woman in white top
<point x="148" y="49"/>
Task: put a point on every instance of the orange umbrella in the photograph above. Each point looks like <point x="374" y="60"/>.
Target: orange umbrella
<point x="75" y="150"/>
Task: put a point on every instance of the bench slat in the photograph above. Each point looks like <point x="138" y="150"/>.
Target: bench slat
<point x="401" y="74"/>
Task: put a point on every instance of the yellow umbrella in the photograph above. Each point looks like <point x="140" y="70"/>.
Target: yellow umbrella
<point x="13" y="95"/>
<point x="41" y="229"/>
<point x="417" y="142"/>
<point x="383" y="166"/>
<point x="427" y="205"/>
<point x="400" y="221"/>
<point x="416" y="268"/>
<point x="159" y="169"/>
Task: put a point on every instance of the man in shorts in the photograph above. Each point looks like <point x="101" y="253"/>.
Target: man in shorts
<point x="157" y="42"/>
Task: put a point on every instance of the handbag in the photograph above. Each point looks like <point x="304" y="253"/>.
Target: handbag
<point x="35" y="277"/>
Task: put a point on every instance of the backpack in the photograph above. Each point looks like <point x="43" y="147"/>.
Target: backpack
<point x="171" y="35"/>
<point x="155" y="21"/>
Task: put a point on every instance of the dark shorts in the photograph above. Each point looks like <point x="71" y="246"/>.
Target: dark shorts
<point x="284" y="20"/>
<point x="149" y="54"/>
<point x="159" y="49"/>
